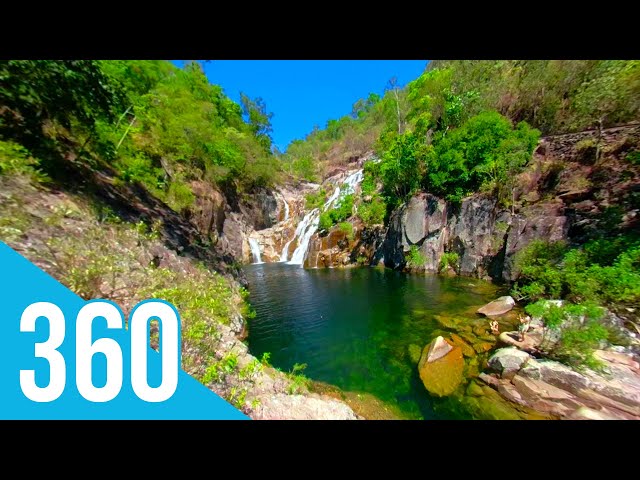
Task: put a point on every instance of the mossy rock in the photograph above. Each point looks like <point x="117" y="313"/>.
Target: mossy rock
<point x="447" y="322"/>
<point x="472" y="368"/>
<point x="474" y="390"/>
<point x="479" y="330"/>
<point x="467" y="350"/>
<point x="443" y="376"/>
<point x="469" y="337"/>
<point x="488" y="338"/>
<point x="481" y="347"/>
<point x="414" y="353"/>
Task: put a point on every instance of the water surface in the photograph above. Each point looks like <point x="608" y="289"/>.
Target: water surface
<point x="353" y="327"/>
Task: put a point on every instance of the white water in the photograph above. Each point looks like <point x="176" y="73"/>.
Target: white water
<point x="255" y="250"/>
<point x="309" y="224"/>
<point x="285" y="251"/>
<point x="286" y="209"/>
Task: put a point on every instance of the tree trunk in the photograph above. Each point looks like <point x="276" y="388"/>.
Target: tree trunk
<point x="125" y="133"/>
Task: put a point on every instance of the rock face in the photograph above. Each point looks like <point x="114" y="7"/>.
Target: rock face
<point x="421" y="222"/>
<point x="499" y="306"/>
<point x="441" y="377"/>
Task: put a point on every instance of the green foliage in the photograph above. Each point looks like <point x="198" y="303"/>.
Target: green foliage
<point x="16" y="160"/>
<point x="373" y="212"/>
<point x="155" y="124"/>
<point x="484" y="153"/>
<point x="415" y="258"/>
<point x="64" y="91"/>
<point x="633" y="157"/>
<point x="402" y="167"/>
<point x="538" y="276"/>
<point x="449" y="260"/>
<point x="315" y="199"/>
<point x="579" y="331"/>
<point x="299" y="383"/>
<point x="347" y="229"/>
<point x="603" y="271"/>
<point x="265" y="359"/>
<point x="338" y="214"/>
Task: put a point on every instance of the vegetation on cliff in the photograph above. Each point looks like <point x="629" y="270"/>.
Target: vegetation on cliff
<point x="152" y="123"/>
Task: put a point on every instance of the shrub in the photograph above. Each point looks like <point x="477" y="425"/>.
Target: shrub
<point x="373" y="212"/>
<point x="449" y="259"/>
<point x="550" y="270"/>
<point x="337" y="214"/>
<point x="415" y="259"/>
<point x="15" y="159"/>
<point x="346" y="228"/>
<point x="315" y="199"/>
<point x="571" y="331"/>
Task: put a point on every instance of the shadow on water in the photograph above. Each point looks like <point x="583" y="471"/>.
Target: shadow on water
<point x="355" y="328"/>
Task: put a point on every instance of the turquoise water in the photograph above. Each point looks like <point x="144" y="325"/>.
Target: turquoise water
<point x="354" y="327"/>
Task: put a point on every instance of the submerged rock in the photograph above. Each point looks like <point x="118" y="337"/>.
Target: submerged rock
<point x="414" y="353"/>
<point x="499" y="306"/>
<point x="441" y="377"/>
<point x="467" y="350"/>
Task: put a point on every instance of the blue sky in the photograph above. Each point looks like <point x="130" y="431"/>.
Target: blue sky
<point x="304" y="93"/>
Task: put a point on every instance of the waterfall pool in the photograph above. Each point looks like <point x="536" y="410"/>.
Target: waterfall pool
<point x="360" y="329"/>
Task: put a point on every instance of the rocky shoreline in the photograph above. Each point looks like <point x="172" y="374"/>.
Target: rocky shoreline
<point x="530" y="385"/>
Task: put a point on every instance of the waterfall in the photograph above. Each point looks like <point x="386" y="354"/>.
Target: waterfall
<point x="309" y="224"/>
<point x="306" y="228"/>
<point x="255" y="250"/>
<point x="286" y="209"/>
<point x="285" y="250"/>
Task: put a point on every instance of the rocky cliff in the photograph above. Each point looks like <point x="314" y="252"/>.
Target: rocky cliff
<point x="575" y="187"/>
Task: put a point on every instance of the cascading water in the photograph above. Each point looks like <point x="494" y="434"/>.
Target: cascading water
<point x="285" y="251"/>
<point x="255" y="250"/>
<point x="286" y="209"/>
<point x="309" y="224"/>
<point x="306" y="228"/>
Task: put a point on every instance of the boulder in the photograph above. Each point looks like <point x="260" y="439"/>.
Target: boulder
<point x="499" y="306"/>
<point x="556" y="374"/>
<point x="508" y="361"/>
<point x="441" y="377"/>
<point x="438" y="349"/>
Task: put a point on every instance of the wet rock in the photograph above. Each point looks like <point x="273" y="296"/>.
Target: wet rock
<point x="508" y="361"/>
<point x="499" y="306"/>
<point x="474" y="390"/>
<point x="467" y="350"/>
<point x="442" y="376"/>
<point x="481" y="347"/>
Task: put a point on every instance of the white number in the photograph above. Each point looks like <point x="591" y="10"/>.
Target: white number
<point x="85" y="350"/>
<point x="168" y="351"/>
<point x="47" y="350"/>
